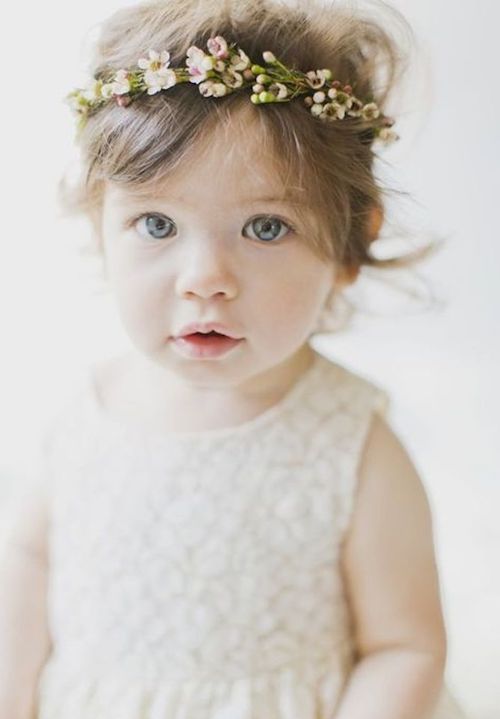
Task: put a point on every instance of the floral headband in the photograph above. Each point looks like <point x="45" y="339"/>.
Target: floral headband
<point x="225" y="69"/>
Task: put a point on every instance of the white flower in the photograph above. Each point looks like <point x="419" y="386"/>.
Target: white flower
<point x="232" y="78"/>
<point x="77" y="102"/>
<point x="346" y="100"/>
<point x="240" y="61"/>
<point x="107" y="90"/>
<point x="219" y="89"/>
<point x="159" y="80"/>
<point x="205" y="88"/>
<point x="156" y="61"/>
<point x="279" y="89"/>
<point x="387" y="135"/>
<point x="315" y="79"/>
<point x="319" y="97"/>
<point x="325" y="74"/>
<point x="370" y="111"/>
<point x="211" y="88"/>
<point x="121" y="83"/>
<point x="199" y="64"/>
<point x="340" y="110"/>
<point x="332" y="111"/>
<point x="92" y="91"/>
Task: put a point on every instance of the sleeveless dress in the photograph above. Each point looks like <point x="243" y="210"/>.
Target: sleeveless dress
<point x="196" y="575"/>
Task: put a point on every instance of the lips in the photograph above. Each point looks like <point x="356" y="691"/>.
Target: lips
<point x="198" y="345"/>
<point x="201" y="335"/>
<point x="213" y="329"/>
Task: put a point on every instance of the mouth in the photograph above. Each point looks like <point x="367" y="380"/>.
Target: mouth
<point x="205" y="344"/>
<point x="212" y="333"/>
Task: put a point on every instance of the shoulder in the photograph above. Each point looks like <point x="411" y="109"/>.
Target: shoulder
<point x="388" y="555"/>
<point x="387" y="478"/>
<point x="25" y="519"/>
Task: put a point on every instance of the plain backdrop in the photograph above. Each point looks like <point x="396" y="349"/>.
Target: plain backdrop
<point x="440" y="366"/>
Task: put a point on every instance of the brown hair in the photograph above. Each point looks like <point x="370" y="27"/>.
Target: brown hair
<point x="331" y="162"/>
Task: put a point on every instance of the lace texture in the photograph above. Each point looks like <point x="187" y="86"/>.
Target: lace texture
<point x="196" y="576"/>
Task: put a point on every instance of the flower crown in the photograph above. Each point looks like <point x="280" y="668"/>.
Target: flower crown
<point x="223" y="70"/>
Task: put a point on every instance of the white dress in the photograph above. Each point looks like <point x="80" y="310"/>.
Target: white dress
<point x="196" y="575"/>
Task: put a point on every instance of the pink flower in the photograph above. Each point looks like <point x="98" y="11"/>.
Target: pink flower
<point x="217" y="46"/>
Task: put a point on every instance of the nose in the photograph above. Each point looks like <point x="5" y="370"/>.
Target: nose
<point x="207" y="272"/>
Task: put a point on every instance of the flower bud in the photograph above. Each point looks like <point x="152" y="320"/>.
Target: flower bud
<point x="123" y="100"/>
<point x="266" y="97"/>
<point x="219" y="89"/>
<point x="257" y="69"/>
<point x="269" y="57"/>
<point x="263" y="79"/>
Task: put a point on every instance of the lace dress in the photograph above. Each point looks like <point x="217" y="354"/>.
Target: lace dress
<point x="195" y="575"/>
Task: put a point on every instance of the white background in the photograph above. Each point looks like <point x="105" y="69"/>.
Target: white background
<point x="440" y="367"/>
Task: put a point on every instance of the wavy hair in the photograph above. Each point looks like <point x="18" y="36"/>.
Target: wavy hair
<point x="329" y="163"/>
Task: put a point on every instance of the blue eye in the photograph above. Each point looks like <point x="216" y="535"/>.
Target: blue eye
<point x="156" y="226"/>
<point x="268" y="227"/>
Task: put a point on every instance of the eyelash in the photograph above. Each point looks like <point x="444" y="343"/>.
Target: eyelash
<point x="292" y="230"/>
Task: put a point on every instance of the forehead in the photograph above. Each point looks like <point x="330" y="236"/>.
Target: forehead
<point x="231" y="164"/>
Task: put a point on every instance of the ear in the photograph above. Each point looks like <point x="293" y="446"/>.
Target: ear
<point x="347" y="275"/>
<point x="375" y="220"/>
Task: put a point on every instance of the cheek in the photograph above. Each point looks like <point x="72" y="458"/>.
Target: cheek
<point x="139" y="302"/>
<point x="293" y="299"/>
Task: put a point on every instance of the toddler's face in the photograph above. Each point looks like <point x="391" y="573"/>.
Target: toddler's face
<point x="213" y="245"/>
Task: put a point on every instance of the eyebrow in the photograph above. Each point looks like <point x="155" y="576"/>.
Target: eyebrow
<point x="274" y="199"/>
<point x="138" y="196"/>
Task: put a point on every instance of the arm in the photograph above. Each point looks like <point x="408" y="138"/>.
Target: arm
<point x="24" y="635"/>
<point x="392" y="583"/>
